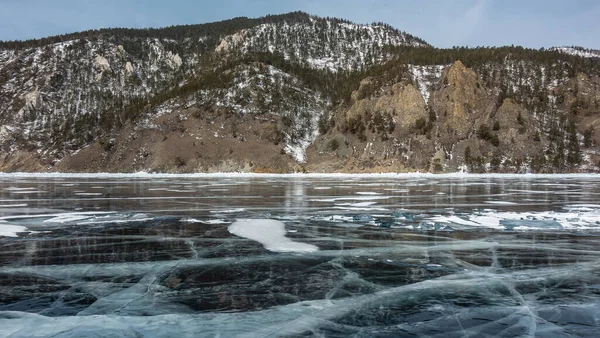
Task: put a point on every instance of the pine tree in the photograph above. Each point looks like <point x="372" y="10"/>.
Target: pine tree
<point x="573" y="150"/>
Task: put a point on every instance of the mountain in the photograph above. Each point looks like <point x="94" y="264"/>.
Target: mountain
<point x="292" y="92"/>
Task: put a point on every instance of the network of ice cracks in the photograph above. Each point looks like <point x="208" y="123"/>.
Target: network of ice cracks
<point x="320" y="263"/>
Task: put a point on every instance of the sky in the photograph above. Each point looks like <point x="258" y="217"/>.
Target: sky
<point x="442" y="23"/>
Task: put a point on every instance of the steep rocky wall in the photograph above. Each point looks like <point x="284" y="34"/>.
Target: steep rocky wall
<point x="464" y="126"/>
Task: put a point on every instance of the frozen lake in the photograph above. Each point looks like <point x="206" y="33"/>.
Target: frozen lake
<point x="299" y="256"/>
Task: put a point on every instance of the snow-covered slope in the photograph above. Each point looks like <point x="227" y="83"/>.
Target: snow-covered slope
<point x="322" y="44"/>
<point x="263" y="89"/>
<point x="425" y="76"/>
<point x="58" y="97"/>
<point x="264" y="92"/>
<point x="61" y="96"/>
<point x="578" y="51"/>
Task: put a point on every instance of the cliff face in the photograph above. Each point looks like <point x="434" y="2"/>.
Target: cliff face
<point x="460" y="103"/>
<point x="293" y="93"/>
<point x="401" y="102"/>
<point x="465" y="126"/>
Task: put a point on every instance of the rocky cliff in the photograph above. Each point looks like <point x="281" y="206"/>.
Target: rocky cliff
<point x="465" y="125"/>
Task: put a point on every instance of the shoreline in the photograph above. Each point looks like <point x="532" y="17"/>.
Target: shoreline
<point x="296" y="175"/>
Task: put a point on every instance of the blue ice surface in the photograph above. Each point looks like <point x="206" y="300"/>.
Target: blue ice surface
<point x="384" y="223"/>
<point x="406" y="215"/>
<point x="362" y="218"/>
<point x="511" y="224"/>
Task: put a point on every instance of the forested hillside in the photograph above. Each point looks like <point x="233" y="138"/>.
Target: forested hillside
<point x="316" y="94"/>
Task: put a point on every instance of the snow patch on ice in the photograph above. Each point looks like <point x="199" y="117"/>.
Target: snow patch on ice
<point x="59" y="217"/>
<point x="67" y="218"/>
<point x="270" y="233"/>
<point x="228" y="211"/>
<point x="452" y="219"/>
<point x="204" y="221"/>
<point x="353" y="198"/>
<point x="9" y="230"/>
<point x="335" y="218"/>
<point x="351" y="208"/>
<point x="500" y="202"/>
<point x="487" y="221"/>
<point x="572" y="220"/>
<point x="23" y="192"/>
<point x="19" y="189"/>
<point x="359" y="204"/>
<point x="88" y="194"/>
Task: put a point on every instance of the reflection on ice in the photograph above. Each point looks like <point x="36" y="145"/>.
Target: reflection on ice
<point x="447" y="256"/>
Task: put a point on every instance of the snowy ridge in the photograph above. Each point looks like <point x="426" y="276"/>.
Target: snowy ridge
<point x="322" y="44"/>
<point x="578" y="51"/>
